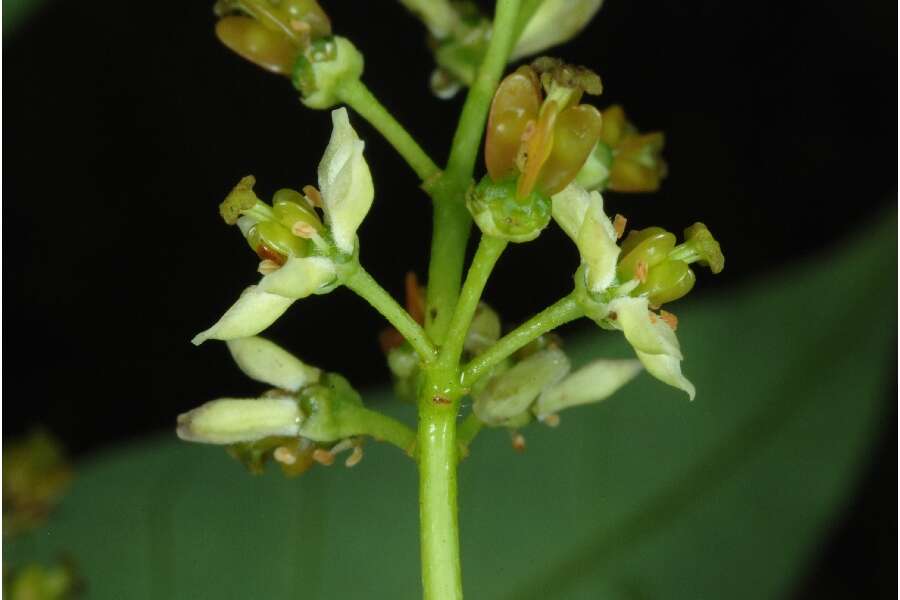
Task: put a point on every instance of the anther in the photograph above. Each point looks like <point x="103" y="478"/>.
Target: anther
<point x="518" y="442"/>
<point x="284" y="455"/>
<point x="303" y="230"/>
<point x="323" y="457"/>
<point x="550" y="420"/>
<point x="640" y="271"/>
<point x="355" y="457"/>
<point x="670" y="319"/>
<point x="267" y="266"/>
<point x="619" y="225"/>
<point x="313" y="195"/>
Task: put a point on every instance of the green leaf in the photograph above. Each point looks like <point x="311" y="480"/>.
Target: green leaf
<point x="643" y="496"/>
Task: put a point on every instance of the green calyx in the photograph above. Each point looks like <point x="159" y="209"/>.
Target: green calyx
<point x="329" y="409"/>
<point x="323" y="67"/>
<point x="499" y="213"/>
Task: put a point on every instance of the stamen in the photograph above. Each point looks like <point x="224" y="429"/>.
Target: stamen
<point x="267" y="266"/>
<point x="640" y="271"/>
<point x="313" y="195"/>
<point x="355" y="457"/>
<point x="619" y="225"/>
<point x="341" y="446"/>
<point x="323" y="457"/>
<point x="550" y="420"/>
<point x="670" y="319"/>
<point x="518" y="442"/>
<point x="303" y="230"/>
<point x="284" y="455"/>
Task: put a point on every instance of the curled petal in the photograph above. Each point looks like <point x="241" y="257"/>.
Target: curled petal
<point x="253" y="312"/>
<point x="299" y="277"/>
<point x="580" y="214"/>
<point x="232" y="420"/>
<point x="668" y="370"/>
<point x="269" y="363"/>
<point x="591" y="383"/>
<point x="345" y="182"/>
<point x="653" y="341"/>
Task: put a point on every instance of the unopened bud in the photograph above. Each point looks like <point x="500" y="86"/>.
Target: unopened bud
<point x="505" y="400"/>
<point x="484" y="330"/>
<point x="231" y="420"/>
<point x="323" y="67"/>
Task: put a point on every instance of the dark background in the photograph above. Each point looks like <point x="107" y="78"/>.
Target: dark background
<point x="125" y="125"/>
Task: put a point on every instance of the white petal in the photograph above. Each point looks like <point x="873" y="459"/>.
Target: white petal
<point x="299" y="277"/>
<point x="580" y="214"/>
<point x="345" y="182"/>
<point x="232" y="420"/>
<point x="554" y="22"/>
<point x="668" y="370"/>
<point x="593" y="382"/>
<point x="269" y="363"/>
<point x="643" y="332"/>
<point x="253" y="312"/>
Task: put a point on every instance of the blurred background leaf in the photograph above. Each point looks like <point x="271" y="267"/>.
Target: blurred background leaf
<point x="644" y="496"/>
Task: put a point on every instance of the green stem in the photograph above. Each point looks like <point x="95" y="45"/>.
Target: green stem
<point x="354" y="93"/>
<point x="437" y="448"/>
<point x="563" y="311"/>
<point x="474" y="114"/>
<point x="448" y="247"/>
<point x="388" y="429"/>
<point x="489" y="251"/>
<point x="439" y="528"/>
<point x="366" y="287"/>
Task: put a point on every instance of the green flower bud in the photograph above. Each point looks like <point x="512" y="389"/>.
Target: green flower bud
<point x="666" y="282"/>
<point x="484" y="330"/>
<point x="649" y="246"/>
<point x="499" y="213"/>
<point x="593" y="382"/>
<point x="330" y="409"/>
<point x="595" y="172"/>
<point x="269" y="363"/>
<point x="505" y="400"/>
<point x="231" y="420"/>
<point x="701" y="247"/>
<point x="36" y="475"/>
<point x="323" y="67"/>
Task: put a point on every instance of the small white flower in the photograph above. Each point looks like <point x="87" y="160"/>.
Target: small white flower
<point x="580" y="214"/>
<point x="591" y="383"/>
<point x="269" y="363"/>
<point x="653" y="341"/>
<point x="345" y="182"/>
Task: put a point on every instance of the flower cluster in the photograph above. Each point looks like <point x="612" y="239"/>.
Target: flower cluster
<point x="302" y="253"/>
